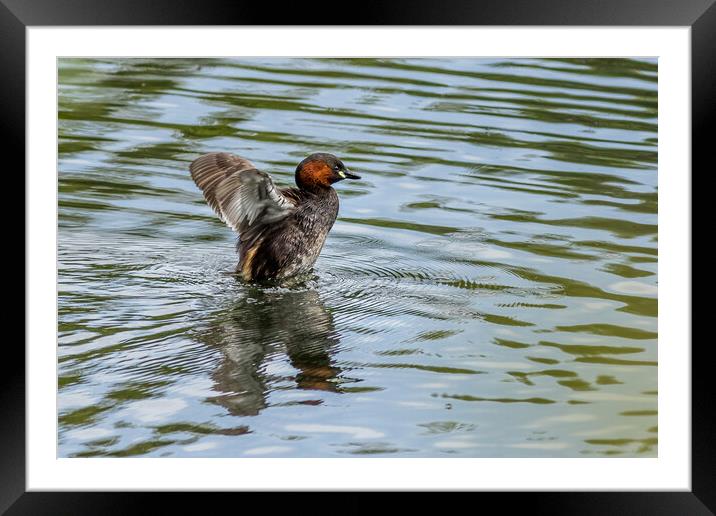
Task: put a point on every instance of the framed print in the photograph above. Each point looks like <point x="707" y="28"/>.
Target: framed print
<point x="458" y="253"/>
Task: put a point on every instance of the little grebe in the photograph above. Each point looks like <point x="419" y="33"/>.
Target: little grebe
<point x="281" y="231"/>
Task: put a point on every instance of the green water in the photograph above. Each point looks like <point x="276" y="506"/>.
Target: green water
<point x="488" y="290"/>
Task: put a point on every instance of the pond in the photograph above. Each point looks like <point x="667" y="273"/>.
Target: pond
<point x="488" y="290"/>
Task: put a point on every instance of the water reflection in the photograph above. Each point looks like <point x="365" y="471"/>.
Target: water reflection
<point x="262" y="325"/>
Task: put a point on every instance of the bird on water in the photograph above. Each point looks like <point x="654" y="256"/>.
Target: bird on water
<point x="281" y="230"/>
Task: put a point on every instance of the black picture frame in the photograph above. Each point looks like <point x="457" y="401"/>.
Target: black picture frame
<point x="16" y="15"/>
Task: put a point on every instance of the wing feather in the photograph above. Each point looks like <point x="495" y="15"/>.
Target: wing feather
<point x="241" y="195"/>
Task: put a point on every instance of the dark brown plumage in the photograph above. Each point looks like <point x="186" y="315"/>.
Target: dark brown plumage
<point x="281" y="231"/>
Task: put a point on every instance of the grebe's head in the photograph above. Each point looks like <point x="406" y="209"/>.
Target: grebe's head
<point x="321" y="170"/>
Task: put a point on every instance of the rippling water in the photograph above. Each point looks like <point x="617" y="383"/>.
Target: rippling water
<point x="489" y="288"/>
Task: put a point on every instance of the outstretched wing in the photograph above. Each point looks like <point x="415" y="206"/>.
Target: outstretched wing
<point x="241" y="195"/>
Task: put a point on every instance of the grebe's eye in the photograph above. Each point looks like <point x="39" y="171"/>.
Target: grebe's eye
<point x="337" y="168"/>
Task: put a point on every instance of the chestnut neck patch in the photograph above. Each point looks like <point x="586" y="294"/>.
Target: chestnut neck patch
<point x="314" y="174"/>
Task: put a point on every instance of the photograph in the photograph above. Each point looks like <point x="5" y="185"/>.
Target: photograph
<point x="358" y="257"/>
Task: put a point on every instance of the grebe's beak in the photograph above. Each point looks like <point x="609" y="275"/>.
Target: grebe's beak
<point x="347" y="174"/>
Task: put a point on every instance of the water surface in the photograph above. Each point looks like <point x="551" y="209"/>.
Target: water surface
<point x="488" y="290"/>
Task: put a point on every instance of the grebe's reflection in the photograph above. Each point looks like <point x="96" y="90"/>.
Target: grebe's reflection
<point x="257" y="328"/>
